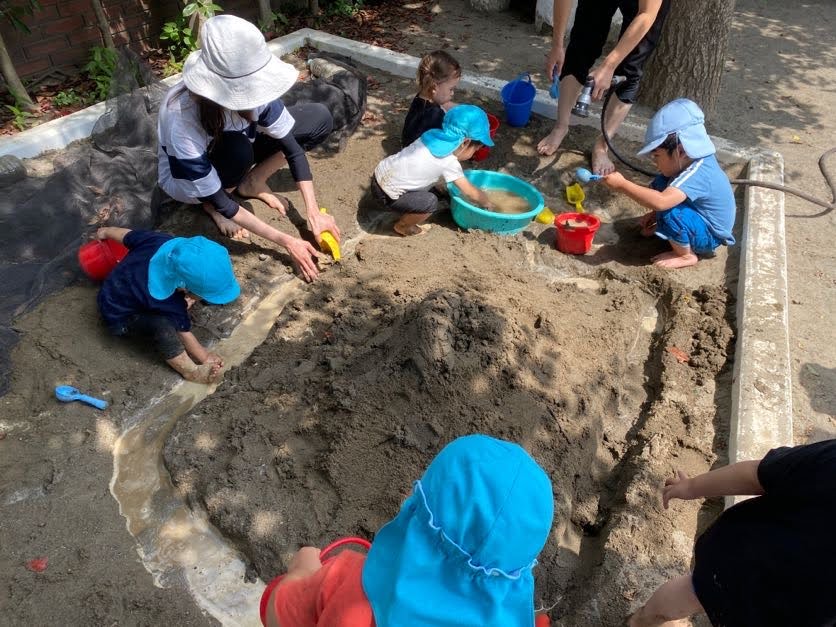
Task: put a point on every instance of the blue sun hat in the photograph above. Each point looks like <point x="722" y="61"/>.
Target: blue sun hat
<point x="462" y="548"/>
<point x="196" y="264"/>
<point x="460" y="123"/>
<point x="686" y="119"/>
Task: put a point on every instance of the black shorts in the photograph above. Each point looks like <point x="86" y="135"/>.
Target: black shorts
<point x="589" y="34"/>
<point x="158" y="329"/>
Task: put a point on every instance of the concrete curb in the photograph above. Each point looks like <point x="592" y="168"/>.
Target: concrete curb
<point x="762" y="391"/>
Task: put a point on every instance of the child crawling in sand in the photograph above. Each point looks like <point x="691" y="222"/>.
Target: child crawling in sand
<point x="691" y="200"/>
<point x="404" y="182"/>
<point x="149" y="294"/>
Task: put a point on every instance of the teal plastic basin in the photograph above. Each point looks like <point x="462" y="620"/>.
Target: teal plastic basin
<point x="470" y="216"/>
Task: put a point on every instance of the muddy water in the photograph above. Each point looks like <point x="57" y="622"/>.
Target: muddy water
<point x="507" y="202"/>
<point x="176" y="543"/>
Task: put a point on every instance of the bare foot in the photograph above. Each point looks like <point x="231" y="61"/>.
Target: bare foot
<point x="551" y="142"/>
<point x="248" y="188"/>
<point x="601" y="162"/>
<point x="205" y="373"/>
<point x="672" y="261"/>
<point x="225" y="225"/>
<point x="410" y="229"/>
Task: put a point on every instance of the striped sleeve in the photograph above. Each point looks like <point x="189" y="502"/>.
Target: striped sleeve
<point x="275" y="120"/>
<point x="188" y="160"/>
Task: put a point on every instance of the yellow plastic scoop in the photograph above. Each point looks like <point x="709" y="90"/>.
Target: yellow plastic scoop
<point x="575" y="196"/>
<point x="327" y="242"/>
<point x="546" y="216"/>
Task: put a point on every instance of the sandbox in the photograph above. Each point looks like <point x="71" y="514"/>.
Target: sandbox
<point x="611" y="373"/>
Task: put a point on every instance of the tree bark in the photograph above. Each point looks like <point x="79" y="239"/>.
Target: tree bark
<point x="313" y="6"/>
<point x="16" y="88"/>
<point x="689" y="59"/>
<point x="104" y="25"/>
<point x="265" y="13"/>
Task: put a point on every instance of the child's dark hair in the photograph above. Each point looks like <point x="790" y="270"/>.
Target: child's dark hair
<point x="670" y="143"/>
<point x="436" y="67"/>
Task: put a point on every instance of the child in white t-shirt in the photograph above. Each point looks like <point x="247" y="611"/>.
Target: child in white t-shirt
<point x="403" y="182"/>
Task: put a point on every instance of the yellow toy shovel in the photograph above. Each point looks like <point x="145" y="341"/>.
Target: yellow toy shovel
<point x="546" y="216"/>
<point x="327" y="242"/>
<point x="575" y="196"/>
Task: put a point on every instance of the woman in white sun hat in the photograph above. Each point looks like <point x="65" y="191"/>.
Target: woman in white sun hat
<point x="224" y="128"/>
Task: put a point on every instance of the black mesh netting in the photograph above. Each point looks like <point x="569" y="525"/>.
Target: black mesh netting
<point x="111" y="180"/>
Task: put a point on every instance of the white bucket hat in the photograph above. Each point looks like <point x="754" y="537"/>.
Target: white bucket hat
<point x="234" y="67"/>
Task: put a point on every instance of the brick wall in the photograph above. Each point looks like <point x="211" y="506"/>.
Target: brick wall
<point x="63" y="31"/>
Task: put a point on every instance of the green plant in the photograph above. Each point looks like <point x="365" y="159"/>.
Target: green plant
<point x="100" y="69"/>
<point x="67" y="98"/>
<point x="181" y="34"/>
<point x="180" y="37"/>
<point x="20" y="116"/>
<point x="172" y="67"/>
<point x="14" y="12"/>
<point x="270" y="24"/>
<point x="344" y="8"/>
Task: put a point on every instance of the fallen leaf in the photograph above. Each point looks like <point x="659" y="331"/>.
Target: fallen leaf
<point x="37" y="565"/>
<point x="681" y="356"/>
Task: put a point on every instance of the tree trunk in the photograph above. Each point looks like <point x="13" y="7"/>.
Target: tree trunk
<point x="16" y="88"/>
<point x="265" y="13"/>
<point x="313" y="6"/>
<point x="689" y="59"/>
<point x="104" y="26"/>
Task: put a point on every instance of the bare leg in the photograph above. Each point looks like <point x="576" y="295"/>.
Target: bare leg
<point x="570" y="89"/>
<point x="673" y="601"/>
<point x="679" y="257"/>
<point x="254" y="184"/>
<point x="225" y="225"/>
<point x="190" y="371"/>
<point x="410" y="224"/>
<point x="616" y="112"/>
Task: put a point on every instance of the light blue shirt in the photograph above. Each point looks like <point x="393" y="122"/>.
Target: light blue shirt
<point x="708" y="192"/>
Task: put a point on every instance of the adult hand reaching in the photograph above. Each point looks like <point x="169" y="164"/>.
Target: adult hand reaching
<point x="603" y="80"/>
<point x="304" y="258"/>
<point x="319" y="222"/>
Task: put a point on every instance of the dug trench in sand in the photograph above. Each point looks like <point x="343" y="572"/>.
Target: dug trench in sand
<point x="319" y="434"/>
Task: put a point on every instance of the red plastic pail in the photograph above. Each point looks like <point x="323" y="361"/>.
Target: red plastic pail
<point x="575" y="232"/>
<point x="484" y="151"/>
<point x="98" y="257"/>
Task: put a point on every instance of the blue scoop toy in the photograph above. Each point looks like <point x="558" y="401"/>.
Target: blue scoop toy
<point x="585" y="176"/>
<point x="554" y="90"/>
<point x="67" y="394"/>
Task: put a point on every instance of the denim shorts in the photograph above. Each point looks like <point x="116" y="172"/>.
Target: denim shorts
<point x="684" y="226"/>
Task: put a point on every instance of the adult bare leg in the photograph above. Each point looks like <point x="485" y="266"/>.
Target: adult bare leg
<point x="616" y="113"/>
<point x="570" y="89"/>
<point x="672" y="602"/>
<point x="254" y="184"/>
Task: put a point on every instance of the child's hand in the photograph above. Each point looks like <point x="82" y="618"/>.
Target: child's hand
<point x="101" y="232"/>
<point x="614" y="180"/>
<point x="678" y="487"/>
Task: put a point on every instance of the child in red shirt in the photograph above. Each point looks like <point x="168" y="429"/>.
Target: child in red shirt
<point x="460" y="551"/>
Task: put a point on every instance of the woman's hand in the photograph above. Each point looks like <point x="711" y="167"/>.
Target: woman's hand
<point x="603" y="80"/>
<point x="678" y="487"/>
<point x="319" y="222"/>
<point x="304" y="258"/>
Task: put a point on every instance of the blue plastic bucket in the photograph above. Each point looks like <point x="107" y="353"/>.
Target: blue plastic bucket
<point x="518" y="96"/>
<point x="469" y="216"/>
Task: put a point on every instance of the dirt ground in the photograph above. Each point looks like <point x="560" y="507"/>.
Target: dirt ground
<point x="56" y="461"/>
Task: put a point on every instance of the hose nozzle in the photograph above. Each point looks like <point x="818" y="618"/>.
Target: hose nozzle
<point x="581" y="108"/>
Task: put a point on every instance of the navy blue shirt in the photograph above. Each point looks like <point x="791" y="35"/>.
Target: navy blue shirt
<point x="125" y="290"/>
<point x="423" y="115"/>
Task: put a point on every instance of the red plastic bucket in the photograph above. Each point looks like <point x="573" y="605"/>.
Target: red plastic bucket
<point x="575" y="232"/>
<point x="98" y="257"/>
<point x="484" y="151"/>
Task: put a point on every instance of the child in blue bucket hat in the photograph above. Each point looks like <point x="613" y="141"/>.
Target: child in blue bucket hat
<point x="691" y="199"/>
<point x="404" y="182"/>
<point x="461" y="551"/>
<point x="148" y="294"/>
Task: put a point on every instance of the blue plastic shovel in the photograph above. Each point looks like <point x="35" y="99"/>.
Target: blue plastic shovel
<point x="585" y="176"/>
<point x="67" y="394"/>
<point x="554" y="90"/>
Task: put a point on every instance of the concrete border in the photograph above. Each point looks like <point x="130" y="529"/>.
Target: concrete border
<point x="762" y="390"/>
